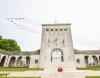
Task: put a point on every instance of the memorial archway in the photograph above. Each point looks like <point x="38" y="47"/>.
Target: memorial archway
<point x="2" y="61"/>
<point x="12" y="62"/>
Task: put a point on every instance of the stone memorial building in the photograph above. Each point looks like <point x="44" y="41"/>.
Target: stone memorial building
<point x="56" y="51"/>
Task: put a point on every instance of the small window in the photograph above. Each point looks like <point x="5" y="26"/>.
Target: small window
<point x="65" y="29"/>
<point x="56" y="29"/>
<point x="60" y="29"/>
<point x="51" y="29"/>
<point x="47" y="29"/>
<point x="36" y="60"/>
<point x="78" y="60"/>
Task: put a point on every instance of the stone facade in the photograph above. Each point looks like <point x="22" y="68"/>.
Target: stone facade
<point x="22" y="59"/>
<point x="82" y="58"/>
<point x="57" y="47"/>
<point x="85" y="58"/>
<point x="56" y="51"/>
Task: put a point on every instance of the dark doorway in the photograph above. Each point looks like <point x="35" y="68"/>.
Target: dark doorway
<point x="2" y="61"/>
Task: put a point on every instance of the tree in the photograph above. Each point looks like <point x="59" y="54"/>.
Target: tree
<point x="9" y="45"/>
<point x="0" y="37"/>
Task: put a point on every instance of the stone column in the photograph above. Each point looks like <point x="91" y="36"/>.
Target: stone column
<point x="97" y="60"/>
<point x="23" y="61"/>
<point x="1" y="58"/>
<point x="6" y="61"/>
<point x="16" y="61"/>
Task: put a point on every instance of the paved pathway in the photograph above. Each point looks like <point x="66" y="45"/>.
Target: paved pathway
<point x="55" y="74"/>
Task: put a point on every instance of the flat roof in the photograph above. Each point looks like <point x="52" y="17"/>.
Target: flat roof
<point x="56" y="24"/>
<point x="87" y="52"/>
<point x="37" y="52"/>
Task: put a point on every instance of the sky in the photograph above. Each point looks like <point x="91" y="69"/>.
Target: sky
<point x="84" y="16"/>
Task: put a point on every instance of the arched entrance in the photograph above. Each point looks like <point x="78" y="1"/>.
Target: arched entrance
<point x="27" y="61"/>
<point x="95" y="60"/>
<point x="86" y="60"/>
<point x="2" y="61"/>
<point x="19" y="62"/>
<point x="12" y="62"/>
<point x="56" y="55"/>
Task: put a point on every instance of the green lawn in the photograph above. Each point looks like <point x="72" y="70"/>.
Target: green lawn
<point x="4" y="75"/>
<point x="90" y="68"/>
<point x="21" y="69"/>
<point x="20" y="77"/>
<point x="93" y="77"/>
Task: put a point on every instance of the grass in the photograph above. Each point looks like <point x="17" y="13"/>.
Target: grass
<point x="20" y="77"/>
<point x="93" y="77"/>
<point x="90" y="68"/>
<point x="4" y="75"/>
<point x="21" y="69"/>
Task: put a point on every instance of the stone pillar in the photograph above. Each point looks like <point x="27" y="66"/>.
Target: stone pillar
<point x="23" y="61"/>
<point x="16" y="61"/>
<point x="6" y="61"/>
<point x="31" y="65"/>
<point x="97" y="60"/>
<point x="1" y="57"/>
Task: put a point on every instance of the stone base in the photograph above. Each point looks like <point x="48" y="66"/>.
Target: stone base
<point x="49" y="74"/>
<point x="64" y="75"/>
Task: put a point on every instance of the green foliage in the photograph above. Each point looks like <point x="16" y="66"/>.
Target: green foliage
<point x="21" y="69"/>
<point x="90" y="68"/>
<point x="93" y="77"/>
<point x="9" y="45"/>
<point x="5" y="76"/>
<point x="0" y="37"/>
<point x="20" y="77"/>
